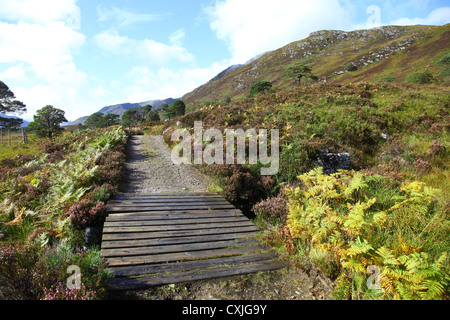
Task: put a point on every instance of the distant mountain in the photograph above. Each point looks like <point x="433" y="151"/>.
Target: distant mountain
<point x="121" y="108"/>
<point x="388" y="52"/>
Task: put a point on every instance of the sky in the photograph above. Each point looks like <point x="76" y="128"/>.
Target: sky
<point x="80" y="56"/>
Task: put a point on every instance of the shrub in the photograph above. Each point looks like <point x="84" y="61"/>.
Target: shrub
<point x="444" y="60"/>
<point x="273" y="209"/>
<point x="338" y="219"/>
<point x="420" y="77"/>
<point x="85" y="214"/>
<point x="351" y="67"/>
<point x="260" y="87"/>
<point x="388" y="79"/>
<point x="32" y="272"/>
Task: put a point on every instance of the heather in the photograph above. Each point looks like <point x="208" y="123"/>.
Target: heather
<point x="389" y="210"/>
<point x="47" y="202"/>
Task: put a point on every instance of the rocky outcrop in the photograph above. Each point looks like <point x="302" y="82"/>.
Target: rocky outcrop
<point x="332" y="162"/>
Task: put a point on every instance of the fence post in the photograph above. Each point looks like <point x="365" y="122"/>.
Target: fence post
<point x="24" y="136"/>
<point x="9" y="136"/>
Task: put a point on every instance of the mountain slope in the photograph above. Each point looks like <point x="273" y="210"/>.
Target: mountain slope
<point x="120" y="109"/>
<point x="394" y="51"/>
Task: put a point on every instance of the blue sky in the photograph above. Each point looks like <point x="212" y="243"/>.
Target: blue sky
<point x="82" y="55"/>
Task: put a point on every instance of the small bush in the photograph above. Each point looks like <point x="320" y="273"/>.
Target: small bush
<point x="85" y="214"/>
<point x="351" y="67"/>
<point x="420" y="77"/>
<point x="274" y="209"/>
<point x="388" y="79"/>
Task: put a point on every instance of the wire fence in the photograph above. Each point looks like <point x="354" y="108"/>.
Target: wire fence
<point x="11" y="136"/>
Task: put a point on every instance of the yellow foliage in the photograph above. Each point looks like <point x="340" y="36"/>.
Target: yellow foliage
<point x="334" y="215"/>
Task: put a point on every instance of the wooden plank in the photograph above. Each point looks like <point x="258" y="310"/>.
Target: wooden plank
<point x="177" y="233"/>
<point x="114" y="203"/>
<point x="174" y="240"/>
<point x="189" y="265"/>
<point x="181" y="256"/>
<point x="169" y="207"/>
<point x="179" y="211"/>
<point x="169" y="203"/>
<point x="136" y="251"/>
<point x="165" y="222"/>
<point x="199" y="226"/>
<point x="143" y="216"/>
<point x="165" y="200"/>
<point x="188" y="276"/>
<point x="164" y="195"/>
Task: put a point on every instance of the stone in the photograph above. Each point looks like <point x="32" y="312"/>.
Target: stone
<point x="332" y="162"/>
<point x="92" y="236"/>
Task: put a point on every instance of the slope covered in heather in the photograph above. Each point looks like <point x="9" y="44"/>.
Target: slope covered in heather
<point x="390" y="51"/>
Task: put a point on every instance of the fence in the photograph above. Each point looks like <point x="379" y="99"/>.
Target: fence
<point x="10" y="136"/>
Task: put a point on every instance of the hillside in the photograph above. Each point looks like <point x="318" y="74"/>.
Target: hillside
<point x="394" y="51"/>
<point x="120" y="109"/>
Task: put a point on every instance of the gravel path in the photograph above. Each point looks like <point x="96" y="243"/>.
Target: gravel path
<point x="149" y="169"/>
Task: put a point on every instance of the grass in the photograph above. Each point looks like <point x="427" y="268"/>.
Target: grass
<point x="33" y="147"/>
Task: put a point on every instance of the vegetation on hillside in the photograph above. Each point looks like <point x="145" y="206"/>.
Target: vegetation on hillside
<point x="47" y="202"/>
<point x="389" y="214"/>
<point x="380" y="230"/>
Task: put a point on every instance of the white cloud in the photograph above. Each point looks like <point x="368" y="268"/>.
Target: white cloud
<point x="45" y="48"/>
<point x="255" y="26"/>
<point x="148" y="51"/>
<point x="438" y="16"/>
<point x="14" y="72"/>
<point x="33" y="11"/>
<point x="176" y="37"/>
<point x="147" y="84"/>
<point x="123" y="17"/>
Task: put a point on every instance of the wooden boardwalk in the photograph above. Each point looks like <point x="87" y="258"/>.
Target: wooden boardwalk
<point x="164" y="238"/>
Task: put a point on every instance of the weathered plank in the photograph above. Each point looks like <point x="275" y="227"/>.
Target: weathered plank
<point x="169" y="207"/>
<point x="189" y="265"/>
<point x="177" y="233"/>
<point x="199" y="226"/>
<point x="181" y="256"/>
<point x="171" y="215"/>
<point x="167" y="222"/>
<point x="163" y="238"/>
<point x="136" y="251"/>
<point x="175" y="240"/>
<point x="172" y="200"/>
<point x="188" y="276"/>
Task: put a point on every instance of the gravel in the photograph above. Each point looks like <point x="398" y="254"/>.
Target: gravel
<point x="149" y="169"/>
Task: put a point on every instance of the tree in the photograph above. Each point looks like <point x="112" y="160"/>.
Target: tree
<point x="98" y="120"/>
<point x="152" y="115"/>
<point x="94" y="120"/>
<point x="260" y="87"/>
<point x="132" y="117"/>
<point x="110" y="119"/>
<point x="9" y="105"/>
<point x="47" y="122"/>
<point x="177" y="108"/>
<point x="299" y="72"/>
<point x="147" y="108"/>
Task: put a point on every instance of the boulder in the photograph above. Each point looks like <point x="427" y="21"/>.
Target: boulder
<point x="332" y="162"/>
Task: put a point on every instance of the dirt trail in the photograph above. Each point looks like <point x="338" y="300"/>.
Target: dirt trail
<point x="149" y="169"/>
